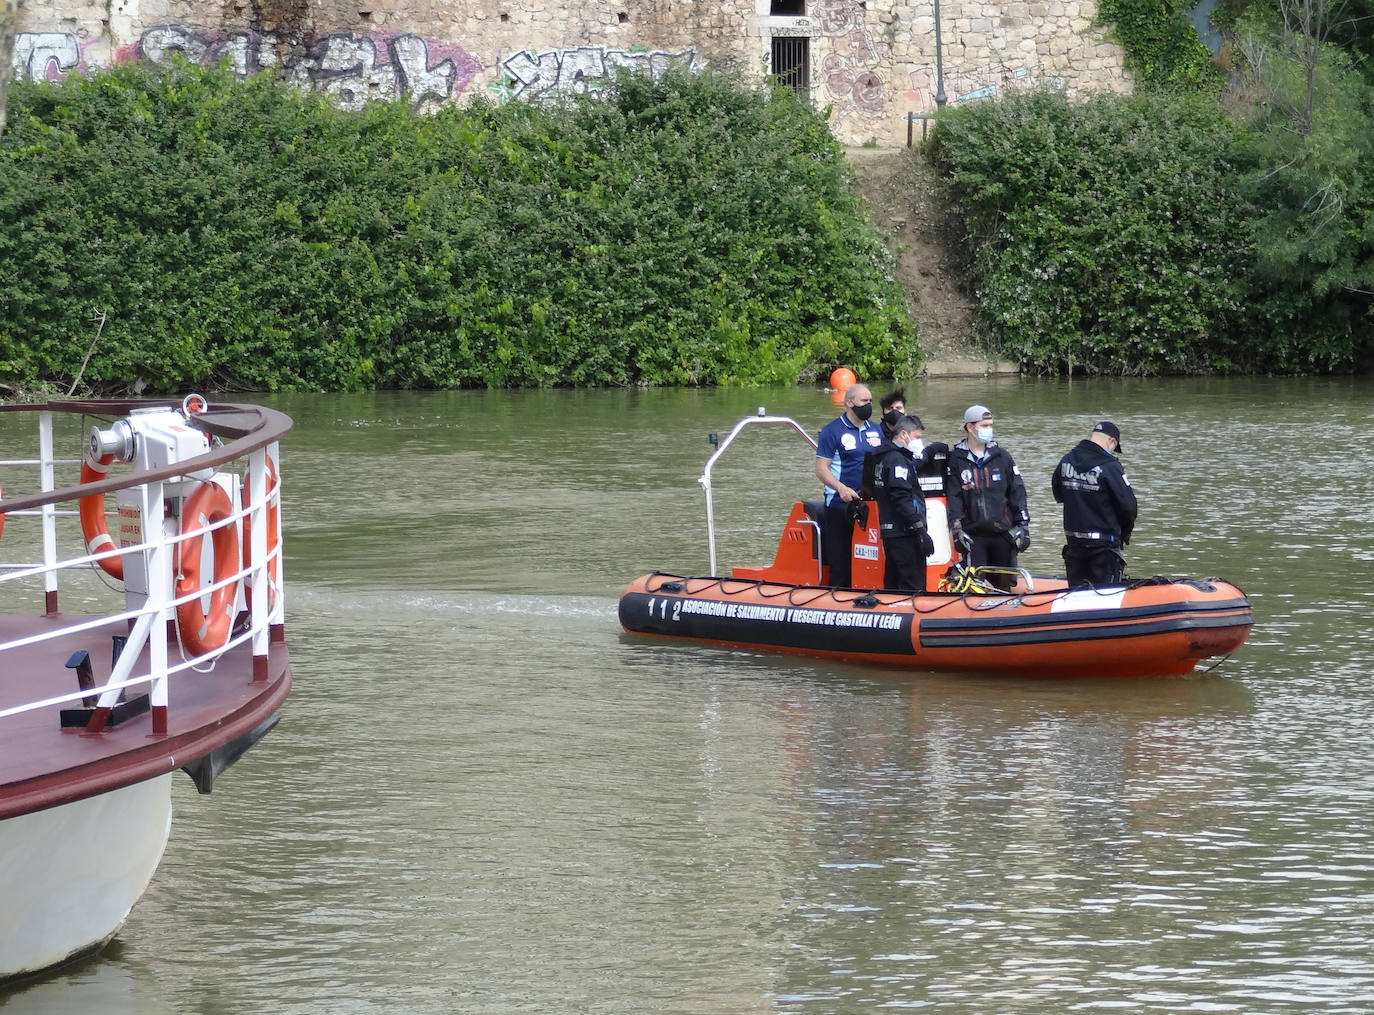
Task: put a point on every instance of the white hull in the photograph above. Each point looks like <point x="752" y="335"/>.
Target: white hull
<point x="72" y="873"/>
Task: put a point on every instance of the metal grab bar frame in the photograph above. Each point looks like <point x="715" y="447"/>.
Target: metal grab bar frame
<point x="762" y="419"/>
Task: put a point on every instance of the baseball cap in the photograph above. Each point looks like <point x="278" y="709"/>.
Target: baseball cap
<point x="1107" y="427"/>
<point x="975" y="413"/>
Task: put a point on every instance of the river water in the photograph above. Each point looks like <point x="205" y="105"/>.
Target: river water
<point x="484" y="798"/>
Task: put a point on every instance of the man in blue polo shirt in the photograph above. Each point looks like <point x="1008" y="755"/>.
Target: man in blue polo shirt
<point x="840" y="466"/>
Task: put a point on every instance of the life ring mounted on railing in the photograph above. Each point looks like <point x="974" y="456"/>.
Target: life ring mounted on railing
<point x="92" y="509"/>
<point x="203" y="631"/>
<point x="273" y="513"/>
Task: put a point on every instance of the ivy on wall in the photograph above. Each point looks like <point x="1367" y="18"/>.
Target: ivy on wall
<point x="1162" y="47"/>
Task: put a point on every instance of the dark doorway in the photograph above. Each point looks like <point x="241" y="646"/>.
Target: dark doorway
<point x="787" y="8"/>
<point x="792" y="62"/>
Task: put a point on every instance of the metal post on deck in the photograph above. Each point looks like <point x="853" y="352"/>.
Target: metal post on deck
<point x="276" y="614"/>
<point x="47" y="482"/>
<point x="161" y="591"/>
<point x="261" y="601"/>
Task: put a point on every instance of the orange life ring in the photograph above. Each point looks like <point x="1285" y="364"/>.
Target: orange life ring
<point x="92" y="508"/>
<point x="207" y="631"/>
<point x="273" y="513"/>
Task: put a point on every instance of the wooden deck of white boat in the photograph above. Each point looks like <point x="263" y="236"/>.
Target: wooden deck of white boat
<point x="43" y="765"/>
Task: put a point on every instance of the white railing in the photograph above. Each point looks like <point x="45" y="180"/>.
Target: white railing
<point x="762" y="419"/>
<point x="152" y="620"/>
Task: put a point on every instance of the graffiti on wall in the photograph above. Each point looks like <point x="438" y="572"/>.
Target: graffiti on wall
<point x="584" y="69"/>
<point x="849" y="71"/>
<point x="351" y="69"/>
<point x="46" y="56"/>
<point x="975" y="83"/>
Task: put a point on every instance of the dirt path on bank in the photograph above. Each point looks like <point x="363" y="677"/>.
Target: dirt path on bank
<point x="911" y="207"/>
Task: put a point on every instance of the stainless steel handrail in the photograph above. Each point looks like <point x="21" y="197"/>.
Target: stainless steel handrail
<point x="705" y="480"/>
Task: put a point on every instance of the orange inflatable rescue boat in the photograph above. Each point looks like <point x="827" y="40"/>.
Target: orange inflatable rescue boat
<point x="1147" y="627"/>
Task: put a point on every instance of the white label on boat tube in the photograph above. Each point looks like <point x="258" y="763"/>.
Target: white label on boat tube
<point x="1088" y="599"/>
<point x="864" y="552"/>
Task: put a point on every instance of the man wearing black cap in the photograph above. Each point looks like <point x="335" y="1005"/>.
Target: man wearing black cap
<point x="1099" y="508"/>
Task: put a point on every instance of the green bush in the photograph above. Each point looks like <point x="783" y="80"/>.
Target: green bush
<point x="1108" y="233"/>
<point x="1310" y="182"/>
<point x="245" y="235"/>
<point x="1172" y="233"/>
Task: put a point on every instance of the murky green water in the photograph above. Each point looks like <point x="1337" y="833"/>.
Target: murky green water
<point x="483" y="798"/>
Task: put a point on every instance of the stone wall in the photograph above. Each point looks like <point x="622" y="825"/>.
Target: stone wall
<point x="871" y="61"/>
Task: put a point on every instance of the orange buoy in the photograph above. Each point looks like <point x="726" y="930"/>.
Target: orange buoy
<point x="247" y="539"/>
<point x="92" y="510"/>
<point x="841" y="378"/>
<point x="205" y="631"/>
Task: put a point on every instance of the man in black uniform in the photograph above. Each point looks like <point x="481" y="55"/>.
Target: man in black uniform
<point x="1099" y="508"/>
<point x="902" y="508"/>
<point x="989" y="516"/>
<point x="930" y="458"/>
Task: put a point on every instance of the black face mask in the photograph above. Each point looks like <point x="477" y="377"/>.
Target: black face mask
<point x="890" y="418"/>
<point x="863" y="411"/>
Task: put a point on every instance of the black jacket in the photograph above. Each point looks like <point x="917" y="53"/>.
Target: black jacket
<point x="1091" y="484"/>
<point x="987" y="496"/>
<point x="930" y="466"/>
<point x="901" y="506"/>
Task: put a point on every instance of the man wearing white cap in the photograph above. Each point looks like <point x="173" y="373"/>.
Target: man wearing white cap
<point x="987" y="498"/>
<point x="1099" y="508"/>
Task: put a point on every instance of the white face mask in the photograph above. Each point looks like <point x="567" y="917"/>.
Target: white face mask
<point x="985" y="433"/>
<point x="916" y="446"/>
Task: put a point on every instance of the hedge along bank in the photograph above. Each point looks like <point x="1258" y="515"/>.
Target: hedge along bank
<point x="241" y="234"/>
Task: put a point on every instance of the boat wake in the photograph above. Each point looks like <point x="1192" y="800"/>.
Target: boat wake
<point x="381" y="603"/>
